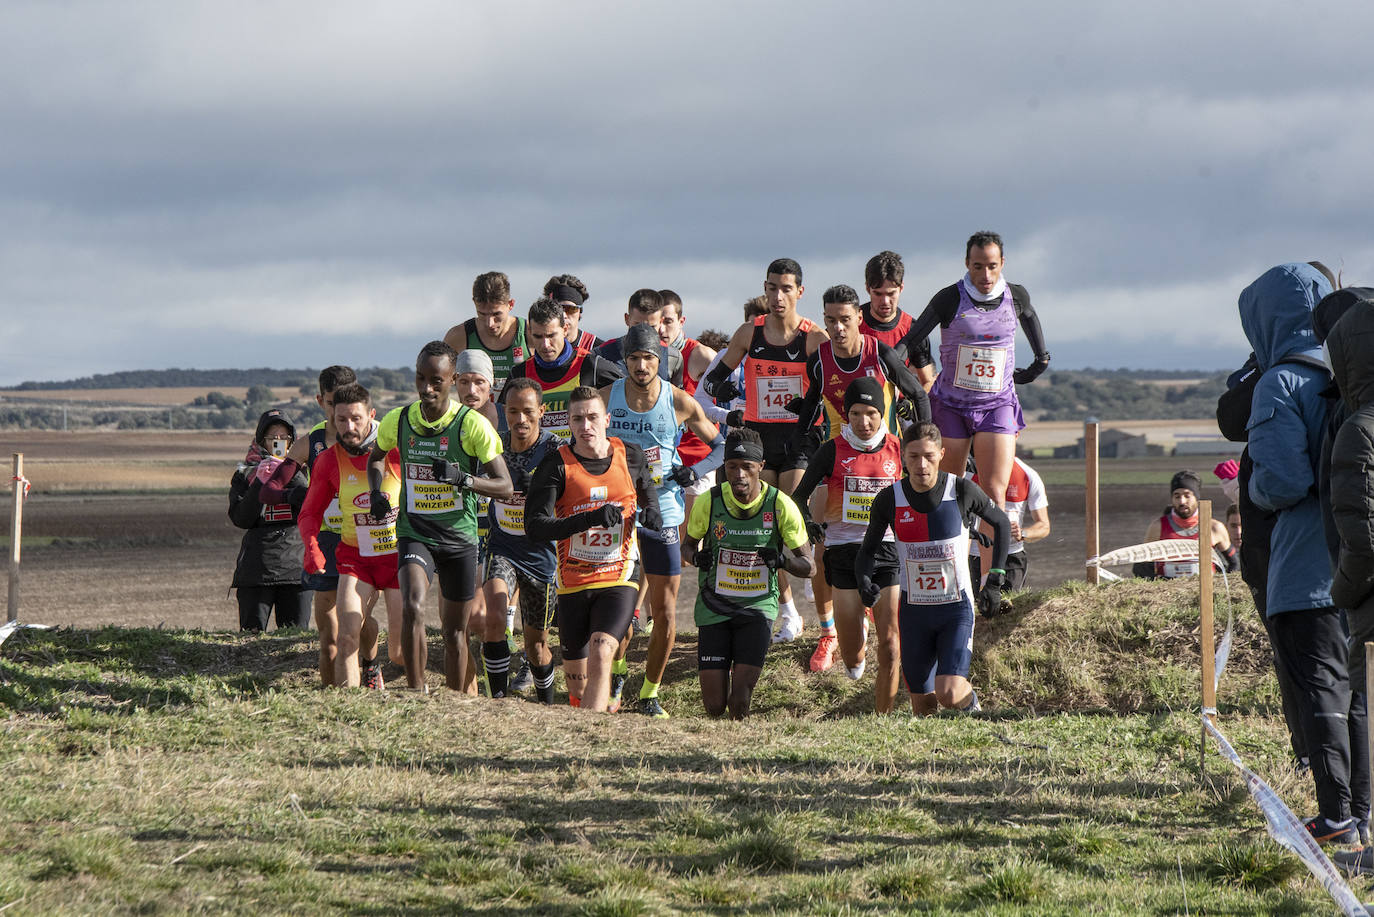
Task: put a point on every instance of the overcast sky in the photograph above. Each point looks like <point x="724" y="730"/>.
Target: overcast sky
<point x="292" y="184"/>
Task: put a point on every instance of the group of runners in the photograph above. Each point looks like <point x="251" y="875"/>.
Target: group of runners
<point x="547" y="474"/>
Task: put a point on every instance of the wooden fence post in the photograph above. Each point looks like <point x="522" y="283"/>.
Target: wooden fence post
<point x="16" y="528"/>
<point x="1090" y="493"/>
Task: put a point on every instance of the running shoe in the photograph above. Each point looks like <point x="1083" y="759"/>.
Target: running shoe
<point x="1362" y="825"/>
<point x="855" y="672"/>
<point x="824" y="657"/>
<point x="617" y="693"/>
<point x="973" y="706"/>
<point x="1326" y="831"/>
<point x="523" y="679"/>
<point x="649" y="706"/>
<point x="791" y="629"/>
<point x="1358" y="861"/>
<point x="372" y="678"/>
<point x="641" y="627"/>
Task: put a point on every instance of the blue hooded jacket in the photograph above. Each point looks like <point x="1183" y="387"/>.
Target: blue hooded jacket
<point x="1287" y="423"/>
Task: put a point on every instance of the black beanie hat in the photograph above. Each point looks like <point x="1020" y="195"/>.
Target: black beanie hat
<point x="866" y="390"/>
<point x="641" y="337"/>
<point x="1188" y="480"/>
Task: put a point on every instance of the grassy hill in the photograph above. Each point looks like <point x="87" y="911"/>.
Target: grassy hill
<point x="157" y="771"/>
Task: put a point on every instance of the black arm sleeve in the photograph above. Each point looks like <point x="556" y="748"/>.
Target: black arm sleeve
<point x="646" y="495"/>
<point x="245" y="509"/>
<point x="881" y="514"/>
<point x="905" y="380"/>
<point x="941" y="309"/>
<point x="604" y="372"/>
<point x="1030" y="322"/>
<point x="822" y="465"/>
<point x="915" y="350"/>
<point x="541" y="521"/>
<point x="973" y="502"/>
<point x="811" y="404"/>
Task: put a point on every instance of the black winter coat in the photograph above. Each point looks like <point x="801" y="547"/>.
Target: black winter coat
<point x="1351" y="346"/>
<point x="272" y="553"/>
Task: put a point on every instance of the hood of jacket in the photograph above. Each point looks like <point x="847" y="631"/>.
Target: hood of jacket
<point x="1276" y="312"/>
<point x="267" y="419"/>
<point x="1351" y="348"/>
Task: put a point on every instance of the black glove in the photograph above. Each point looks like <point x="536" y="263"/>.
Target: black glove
<point x="990" y="598"/>
<point x="607" y="515"/>
<point x="450" y="473"/>
<point x="379" y="506"/>
<point x="650" y="518"/>
<point x="815" y="531"/>
<point x="868" y="593"/>
<point x="1032" y="372"/>
<point x="725" y="391"/>
<point x="519" y="479"/>
<point x="795" y="405"/>
<point x="771" y="558"/>
<point x="684" y="476"/>
<point x="906" y="410"/>
<point x="703" y="560"/>
<point x="735" y="419"/>
<point x="979" y="536"/>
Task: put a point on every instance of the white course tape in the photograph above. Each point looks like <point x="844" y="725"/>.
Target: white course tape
<point x="1172" y="549"/>
<point x="1283" y="826"/>
<point x="12" y="626"/>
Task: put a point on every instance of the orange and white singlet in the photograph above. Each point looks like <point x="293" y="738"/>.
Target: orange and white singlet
<point x="598" y="557"/>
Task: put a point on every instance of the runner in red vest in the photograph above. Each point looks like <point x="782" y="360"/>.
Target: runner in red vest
<point x="696" y="357"/>
<point x="859" y="463"/>
<point x="1180" y="521"/>
<point x="571" y="295"/>
<point x="777" y="346"/>
<point x="884" y="277"/>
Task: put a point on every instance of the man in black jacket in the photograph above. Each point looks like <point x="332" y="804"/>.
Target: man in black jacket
<point x="268" y="571"/>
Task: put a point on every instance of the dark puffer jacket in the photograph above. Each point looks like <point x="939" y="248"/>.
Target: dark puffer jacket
<point x="271" y="553"/>
<point x="1351" y="348"/>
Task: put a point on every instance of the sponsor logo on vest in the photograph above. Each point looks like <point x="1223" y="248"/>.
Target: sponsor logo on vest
<point x="767" y="518"/>
<point x="889" y="468"/>
<point x="719" y="530"/>
<point x="598" y="493"/>
<point x="362" y="501"/>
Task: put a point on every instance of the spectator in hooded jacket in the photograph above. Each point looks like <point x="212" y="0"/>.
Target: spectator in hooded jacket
<point x="1288" y="417"/>
<point x="265" y="497"/>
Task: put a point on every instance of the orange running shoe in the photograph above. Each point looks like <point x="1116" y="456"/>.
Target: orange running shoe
<point x="824" y="657"/>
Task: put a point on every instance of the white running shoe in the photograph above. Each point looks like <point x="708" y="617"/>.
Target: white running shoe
<point x="855" y="672"/>
<point x="791" y="629"/>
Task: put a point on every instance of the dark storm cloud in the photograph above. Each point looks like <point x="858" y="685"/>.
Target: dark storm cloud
<point x="177" y="166"/>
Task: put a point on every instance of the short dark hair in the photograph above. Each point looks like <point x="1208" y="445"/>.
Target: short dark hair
<point x="352" y="393"/>
<point x="884" y="267"/>
<point x="840" y="293"/>
<point x="645" y="301"/>
<point x="585" y="393"/>
<point x="545" y="310"/>
<point x="1232" y="510"/>
<point x="714" y="339"/>
<point x="566" y="280"/>
<point x="437" y="349"/>
<point x="784" y="266"/>
<point x="982" y="239"/>
<point x="521" y="384"/>
<point x="920" y="431"/>
<point x="671" y="299"/>
<point x="491" y="287"/>
<point x="755" y="307"/>
<point x="331" y="377"/>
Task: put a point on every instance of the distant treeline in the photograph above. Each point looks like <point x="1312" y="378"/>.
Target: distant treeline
<point x="1121" y="395"/>
<point x="194" y="378"/>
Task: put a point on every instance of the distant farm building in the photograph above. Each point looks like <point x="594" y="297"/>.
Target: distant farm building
<point x="1112" y="443"/>
<point x="1193" y="444"/>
